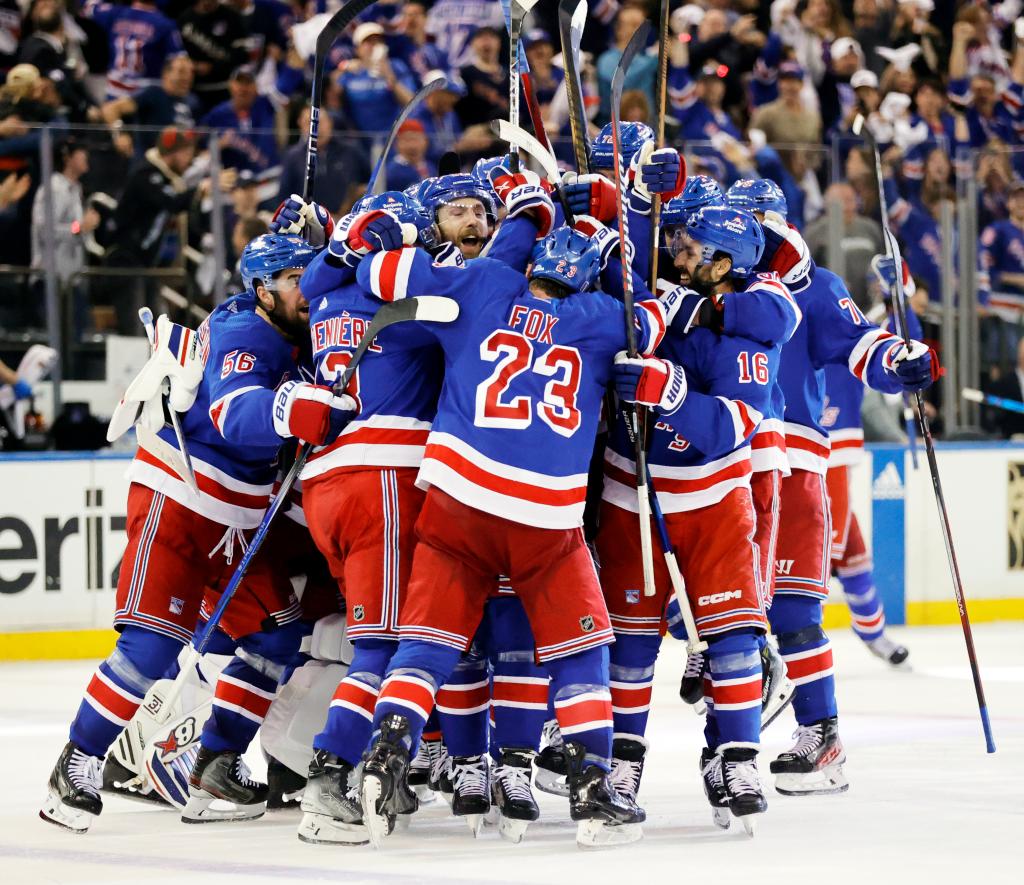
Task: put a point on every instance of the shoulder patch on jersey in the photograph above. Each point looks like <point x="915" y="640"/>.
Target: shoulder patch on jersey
<point x="323" y="303"/>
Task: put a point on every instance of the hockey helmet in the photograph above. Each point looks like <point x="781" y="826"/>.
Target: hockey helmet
<point x="699" y="191"/>
<point x="567" y="257"/>
<point x="437" y="192"/>
<point x="757" y="195"/>
<point x="407" y="209"/>
<point x="266" y="256"/>
<point x="733" y="231"/>
<point x="631" y="136"/>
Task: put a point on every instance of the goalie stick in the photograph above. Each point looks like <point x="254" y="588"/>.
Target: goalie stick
<point x="892" y="249"/>
<point x="427" y="308"/>
<point x="572" y="17"/>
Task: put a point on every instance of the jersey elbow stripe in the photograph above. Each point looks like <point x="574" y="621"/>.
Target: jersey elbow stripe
<point x="389" y="273"/>
<point x="865" y="349"/>
<point x="219" y="409"/>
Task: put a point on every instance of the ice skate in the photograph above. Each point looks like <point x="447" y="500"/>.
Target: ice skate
<point x="511" y="795"/>
<point x="551" y="770"/>
<point x="122" y="781"/>
<point x="777" y="689"/>
<point x="472" y="796"/>
<point x="628" y="765"/>
<point x="891" y="652"/>
<point x="222" y="776"/>
<point x="383" y="791"/>
<point x="331" y="813"/>
<point x="815" y="763"/>
<point x="714" y="787"/>
<point x="604" y="816"/>
<point x="440" y="781"/>
<point x="743" y="786"/>
<point x="284" y="786"/>
<point x="73" y="801"/>
<point x="419" y="771"/>
<point x="691" y="687"/>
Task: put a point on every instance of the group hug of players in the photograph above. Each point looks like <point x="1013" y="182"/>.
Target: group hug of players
<point x="474" y="612"/>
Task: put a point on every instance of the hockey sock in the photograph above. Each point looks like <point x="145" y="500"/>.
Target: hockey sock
<point x="411" y="682"/>
<point x="632" y="674"/>
<point x="711" y="735"/>
<point x="519" y="688"/>
<point x="866" y="607"/>
<point x="583" y="702"/>
<point x="350" y="714"/>
<point x="462" y="705"/>
<point x="119" y="685"/>
<point x="734" y="668"/>
<point x="247" y="686"/>
<point x="432" y="730"/>
<point x="796" y="622"/>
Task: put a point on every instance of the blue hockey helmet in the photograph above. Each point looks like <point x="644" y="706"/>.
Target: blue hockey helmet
<point x="567" y="257"/>
<point x="733" y="231"/>
<point x="437" y="192"/>
<point x="699" y="191"/>
<point x="757" y="195"/>
<point x="406" y="208"/>
<point x="266" y="256"/>
<point x="632" y="138"/>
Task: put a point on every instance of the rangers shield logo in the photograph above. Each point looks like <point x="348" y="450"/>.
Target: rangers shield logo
<point x="587" y="623"/>
<point x="632" y="597"/>
<point x="176" y="606"/>
<point x="358" y="613"/>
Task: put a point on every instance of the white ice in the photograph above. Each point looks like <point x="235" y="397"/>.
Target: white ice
<point x="926" y="804"/>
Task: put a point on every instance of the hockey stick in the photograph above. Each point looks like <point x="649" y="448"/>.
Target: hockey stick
<point x="521" y="140"/>
<point x="189" y="474"/>
<point x="536" y="117"/>
<point x="516" y="14"/>
<point x="324" y="41"/>
<point x="632" y="416"/>
<point x="572" y="17"/>
<point x="892" y="249"/>
<point x="659" y="138"/>
<point x="427" y="308"/>
<point x="378" y="182"/>
<point x="997" y="402"/>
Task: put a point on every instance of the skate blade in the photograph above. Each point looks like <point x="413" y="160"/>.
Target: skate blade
<point x="721" y="817"/>
<point x="552" y="783"/>
<point x="749" y="822"/>
<point x="475" y="822"/>
<point x="321" y="829"/>
<point x="597" y="833"/>
<point x="491" y="818"/>
<point x="378" y="826"/>
<point x="424" y="794"/>
<point x="816" y="783"/>
<point x="512" y="830"/>
<point x="201" y="810"/>
<point x="777" y="703"/>
<point x="132" y="790"/>
<point x="73" y="819"/>
<point x="700" y="708"/>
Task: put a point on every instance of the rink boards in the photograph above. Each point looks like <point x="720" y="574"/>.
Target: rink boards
<point x="62" y="520"/>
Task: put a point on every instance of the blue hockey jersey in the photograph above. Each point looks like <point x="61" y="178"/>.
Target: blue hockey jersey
<point x="141" y="41"/>
<point x="229" y="430"/>
<point x="523" y="383"/>
<point x="1001" y="252"/>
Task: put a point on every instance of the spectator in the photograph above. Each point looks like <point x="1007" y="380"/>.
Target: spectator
<point x="995" y="179"/>
<point x="246" y="122"/>
<point x="486" y="79"/>
<point x="1001" y="262"/>
<point x="787" y="120"/>
<point x="641" y="73"/>
<point x="266" y="24"/>
<point x="871" y="23"/>
<point x="634" y="107"/>
<point x="243" y="231"/>
<point x="214" y="37"/>
<point x="409" y="164"/>
<point x="836" y="94"/>
<point x="10" y="32"/>
<point x="1011" y="386"/>
<point x="859" y="172"/>
<point x="375" y="87"/>
<point x="46" y="48"/>
<point x="860" y="239"/>
<point x="811" y="26"/>
<point x="342" y="167"/>
<point x="69" y="223"/>
<point x="441" y="122"/>
<point x="170" y="103"/>
<point x="141" y="38"/>
<point x="544" y="76"/>
<point x="452" y="24"/>
<point x="412" y="45"/>
<point x="733" y="41"/>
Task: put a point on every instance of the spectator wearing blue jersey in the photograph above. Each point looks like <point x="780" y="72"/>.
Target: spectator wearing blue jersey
<point x="1001" y="276"/>
<point x="412" y="45"/>
<point x="452" y="24"/>
<point x="246" y="126"/>
<point x="546" y="78"/>
<point x="409" y="164"/>
<point x="375" y="87"/>
<point x="641" y="73"/>
<point x="441" y="122"/>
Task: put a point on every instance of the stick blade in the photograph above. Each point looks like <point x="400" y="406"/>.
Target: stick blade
<point x="972" y="395"/>
<point x="436" y="309"/>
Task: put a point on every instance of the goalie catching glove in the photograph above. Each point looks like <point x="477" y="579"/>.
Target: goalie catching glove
<point x="649" y="381"/>
<point x="311" y="221"/>
<point x="311" y="412"/>
<point x="174" y="369"/>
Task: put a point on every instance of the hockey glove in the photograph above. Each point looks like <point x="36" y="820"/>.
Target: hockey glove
<point x="687" y="309"/>
<point x="366" y="232"/>
<point x="884" y="270"/>
<point x="649" y="381"/>
<point x="607" y="240"/>
<point x="525" y="194"/>
<point x="311" y="221"/>
<point x="658" y="172"/>
<point x="592" y="195"/>
<point x="916" y="366"/>
<point x="311" y="412"/>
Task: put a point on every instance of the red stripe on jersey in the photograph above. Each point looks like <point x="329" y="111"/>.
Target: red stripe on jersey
<point x="807" y="445"/>
<point x="387" y="273"/>
<point x="241" y="697"/>
<point x="455" y="701"/>
<point x="669" y="485"/>
<point x="656" y="313"/>
<point x="184" y="345"/>
<point x="769" y="440"/>
<point x="634" y="696"/>
<point x="809" y="666"/>
<point x="786" y="257"/>
<point x="381" y="436"/>
<point x="501" y="485"/>
<point x="210" y="486"/>
<point x="589" y="709"/>
<point x="847" y="444"/>
<point x="216" y="414"/>
<point x="749" y="424"/>
<point x="117" y="704"/>
<point x="743" y="693"/>
<point x="356" y="693"/>
<point x="509" y="690"/>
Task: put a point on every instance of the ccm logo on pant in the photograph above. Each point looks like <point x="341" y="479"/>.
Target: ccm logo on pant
<point x="716" y="598"/>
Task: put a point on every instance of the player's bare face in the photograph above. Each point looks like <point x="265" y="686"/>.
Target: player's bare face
<point x="692" y="271"/>
<point x="290" y="311"/>
<point x="465" y="224"/>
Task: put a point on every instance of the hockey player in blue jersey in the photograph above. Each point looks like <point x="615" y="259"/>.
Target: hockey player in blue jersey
<point x="238" y="384"/>
<point x="505" y="470"/>
<point x="851" y="559"/>
<point x="833" y="331"/>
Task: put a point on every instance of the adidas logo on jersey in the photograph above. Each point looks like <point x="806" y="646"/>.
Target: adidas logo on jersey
<point x="887" y="485"/>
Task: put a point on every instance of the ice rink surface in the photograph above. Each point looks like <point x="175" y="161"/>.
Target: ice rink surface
<point x="925" y="804"/>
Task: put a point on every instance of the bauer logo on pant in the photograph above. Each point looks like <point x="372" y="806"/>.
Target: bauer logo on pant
<point x="587" y="623"/>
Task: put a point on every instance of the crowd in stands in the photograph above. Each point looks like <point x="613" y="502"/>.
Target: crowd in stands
<point x="146" y="97"/>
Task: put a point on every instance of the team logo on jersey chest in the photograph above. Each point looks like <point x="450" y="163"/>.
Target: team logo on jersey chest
<point x="358" y="613"/>
<point x="587" y="623"/>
